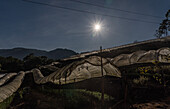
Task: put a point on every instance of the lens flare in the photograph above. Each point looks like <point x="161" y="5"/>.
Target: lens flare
<point x="97" y="27"/>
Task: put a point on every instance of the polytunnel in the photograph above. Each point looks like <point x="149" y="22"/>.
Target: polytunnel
<point x="78" y="71"/>
<point x="164" y="55"/>
<point x="6" y="77"/>
<point x="8" y="89"/>
<point x="148" y="56"/>
<point x="161" y="55"/>
<point x="120" y="60"/>
<point x="135" y="56"/>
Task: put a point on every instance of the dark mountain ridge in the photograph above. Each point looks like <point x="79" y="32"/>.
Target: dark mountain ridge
<point x="20" y="53"/>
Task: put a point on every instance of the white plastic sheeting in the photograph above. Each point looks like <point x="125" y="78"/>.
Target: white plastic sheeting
<point x="6" y="77"/>
<point x="164" y="54"/>
<point x="161" y="55"/>
<point x="2" y="75"/>
<point x="7" y="90"/>
<point x="123" y="59"/>
<point x="78" y="71"/>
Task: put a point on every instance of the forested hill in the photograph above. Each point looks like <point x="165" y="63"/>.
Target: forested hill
<point x="20" y="53"/>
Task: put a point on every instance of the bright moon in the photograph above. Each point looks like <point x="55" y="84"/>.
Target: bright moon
<point x="97" y="27"/>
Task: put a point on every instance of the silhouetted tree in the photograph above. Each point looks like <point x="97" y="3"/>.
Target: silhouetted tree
<point x="11" y="64"/>
<point x="31" y="55"/>
<point x="167" y="17"/>
<point x="31" y="61"/>
<point x="164" y="26"/>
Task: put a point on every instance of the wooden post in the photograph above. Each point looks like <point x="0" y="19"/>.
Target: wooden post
<point x="74" y="83"/>
<point x="126" y="90"/>
<point x="102" y="97"/>
<point x="101" y="61"/>
<point x="125" y="97"/>
<point x="60" y="79"/>
<point x="65" y="77"/>
<point x="163" y="81"/>
<point x="60" y="83"/>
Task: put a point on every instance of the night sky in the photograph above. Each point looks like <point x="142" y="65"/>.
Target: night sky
<point x="29" y="25"/>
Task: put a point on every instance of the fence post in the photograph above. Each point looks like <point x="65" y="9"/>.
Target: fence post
<point x="60" y="83"/>
<point x="102" y="97"/>
<point x="126" y="89"/>
<point x="65" y="77"/>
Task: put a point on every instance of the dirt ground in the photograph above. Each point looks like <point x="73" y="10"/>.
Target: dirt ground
<point x="161" y="104"/>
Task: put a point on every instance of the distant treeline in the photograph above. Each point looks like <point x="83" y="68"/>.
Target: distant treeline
<point x="11" y="64"/>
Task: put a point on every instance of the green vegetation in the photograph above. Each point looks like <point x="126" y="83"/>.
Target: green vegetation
<point x="76" y="98"/>
<point x="7" y="102"/>
<point x="141" y="80"/>
<point x="71" y="93"/>
<point x="70" y="98"/>
<point x="22" y="91"/>
<point x="96" y="94"/>
<point x="155" y="74"/>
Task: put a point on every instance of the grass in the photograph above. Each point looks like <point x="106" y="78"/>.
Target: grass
<point x="76" y="98"/>
<point x="96" y="94"/>
<point x="73" y="92"/>
<point x="68" y="98"/>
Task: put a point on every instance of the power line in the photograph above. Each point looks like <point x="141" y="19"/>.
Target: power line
<point x="89" y="12"/>
<point x="132" y="12"/>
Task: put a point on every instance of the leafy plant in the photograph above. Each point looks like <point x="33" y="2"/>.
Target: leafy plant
<point x="141" y="80"/>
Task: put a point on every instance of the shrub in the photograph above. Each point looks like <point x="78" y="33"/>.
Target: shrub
<point x="141" y="80"/>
